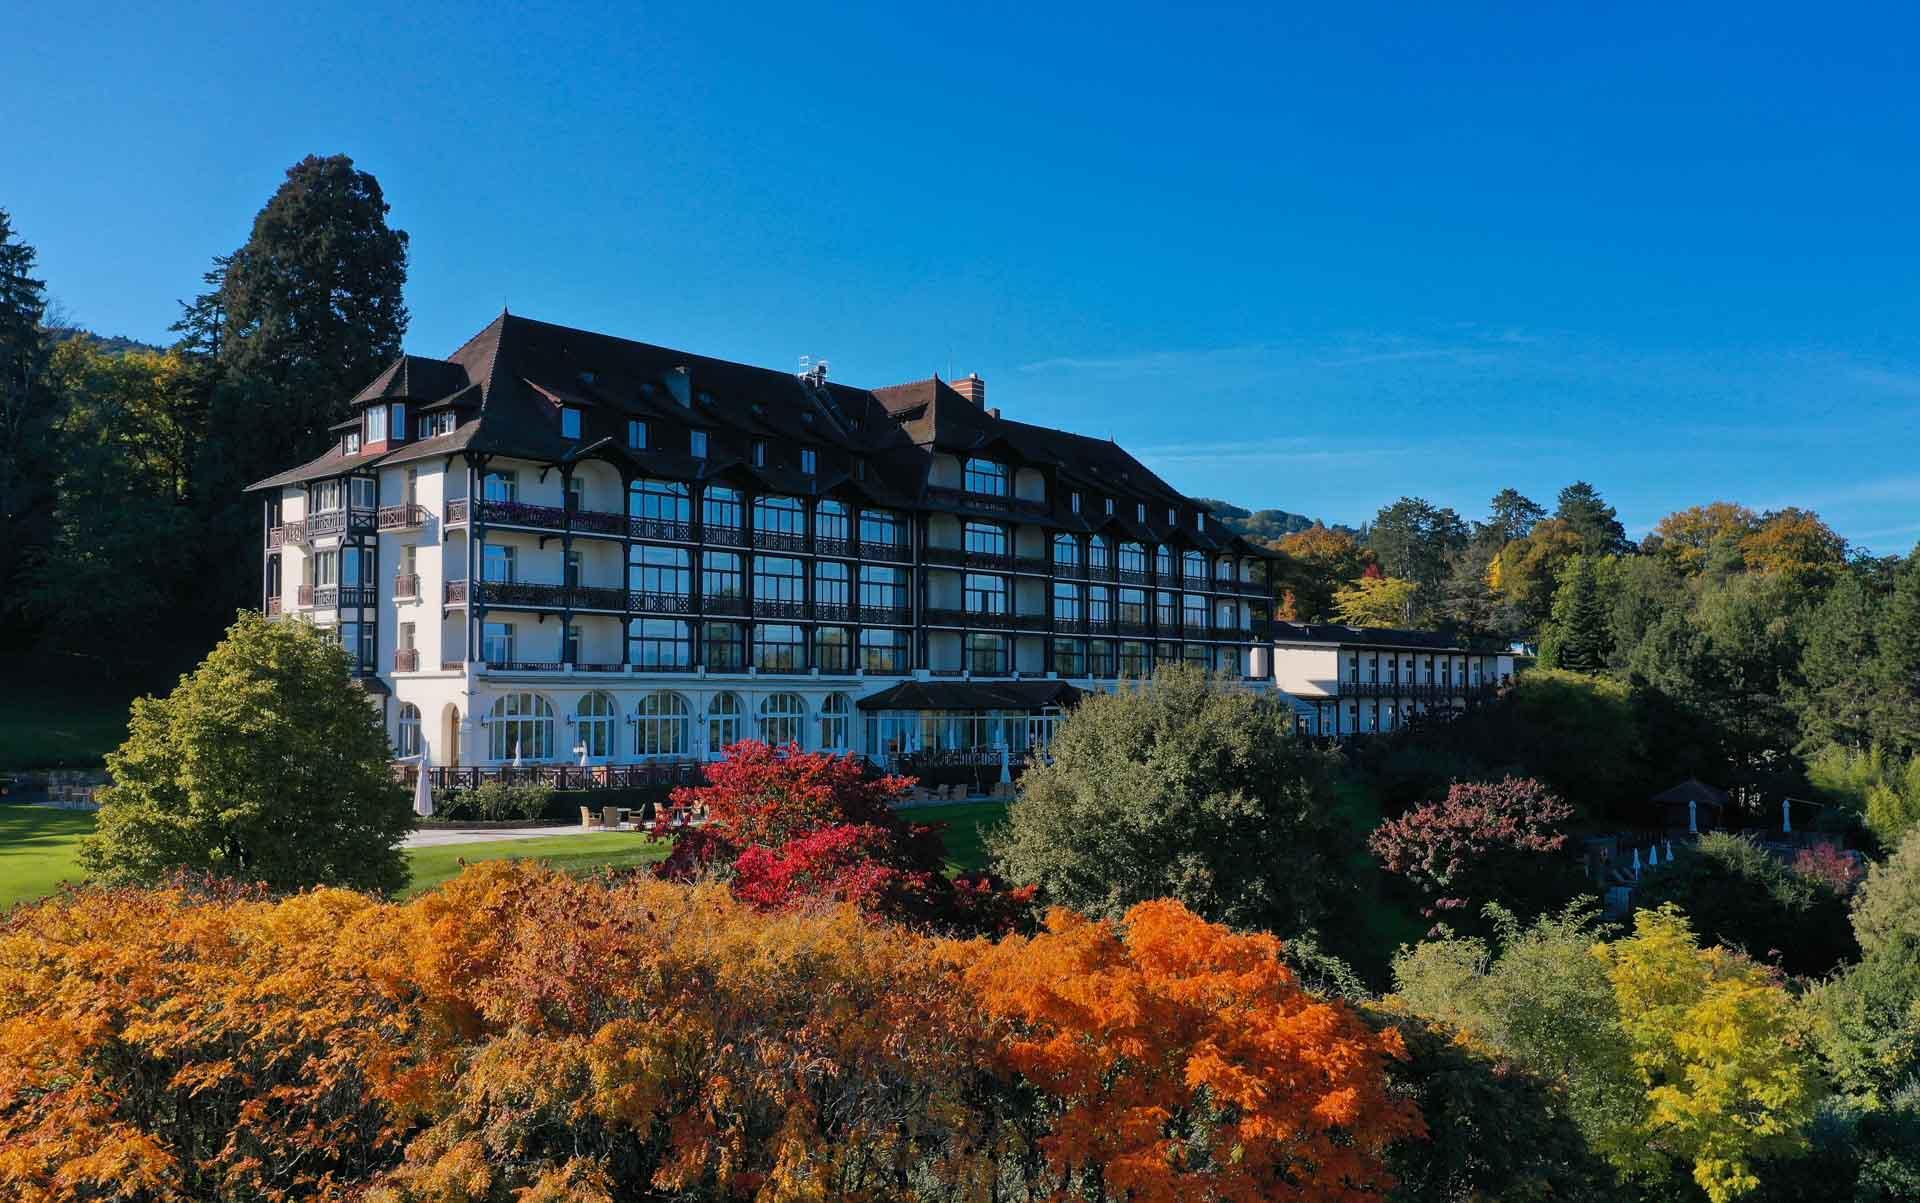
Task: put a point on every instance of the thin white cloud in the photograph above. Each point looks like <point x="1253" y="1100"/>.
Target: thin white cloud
<point x="1455" y="354"/>
<point x="1150" y="362"/>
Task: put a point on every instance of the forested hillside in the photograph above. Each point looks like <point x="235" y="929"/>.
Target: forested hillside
<point x="126" y="544"/>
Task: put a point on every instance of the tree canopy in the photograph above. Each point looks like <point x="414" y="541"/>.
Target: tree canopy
<point x="267" y="764"/>
<point x="1184" y="788"/>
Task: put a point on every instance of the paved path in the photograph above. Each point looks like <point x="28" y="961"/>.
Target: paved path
<point x="433" y="837"/>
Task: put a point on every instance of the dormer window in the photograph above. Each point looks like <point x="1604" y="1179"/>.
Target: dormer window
<point x="376" y="424"/>
<point x="353" y="444"/>
<point x="1172" y="519"/>
<point x="697" y="444"/>
<point x="759" y="453"/>
<point x="399" y="426"/>
<point x="1200" y="520"/>
<point x="809" y="461"/>
<point x="986" y="477"/>
<point x="1109" y="507"/>
<point x="1140" y="512"/>
<point x="569" y="422"/>
<point x="637" y="434"/>
<point x="1074" y="502"/>
<point x="859" y="469"/>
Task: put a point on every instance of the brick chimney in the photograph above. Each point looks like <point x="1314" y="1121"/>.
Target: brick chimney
<point x="973" y="389"/>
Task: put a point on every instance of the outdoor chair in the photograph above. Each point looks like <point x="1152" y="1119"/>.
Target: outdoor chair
<point x="588" y="818"/>
<point x="611" y="819"/>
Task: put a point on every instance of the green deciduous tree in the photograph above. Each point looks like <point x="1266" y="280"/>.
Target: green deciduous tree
<point x="1538" y="995"/>
<point x="127" y="430"/>
<point x="1727" y="1082"/>
<point x="1187" y="788"/>
<point x="267" y="764"/>
<point x="1889" y="903"/>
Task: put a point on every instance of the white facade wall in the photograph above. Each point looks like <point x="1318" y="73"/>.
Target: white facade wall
<point x="453" y="703"/>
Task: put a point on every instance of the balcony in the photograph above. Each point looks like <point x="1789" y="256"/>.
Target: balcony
<point x="340" y="522"/>
<point x="406" y="659"/>
<point x="457" y="512"/>
<point x="335" y="597"/>
<point x="779" y="540"/>
<point x="288" y="534"/>
<point x="273" y="606"/>
<point x="642" y="601"/>
<point x="723" y="536"/>
<point x="406" y="586"/>
<point x="538" y="595"/>
<point x="665" y="529"/>
<point x="942" y="495"/>
<point x="987" y="621"/>
<point x="984" y="561"/>
<point x="1417" y="690"/>
<point x="896" y="552"/>
<point x="402" y="517"/>
<point x="764" y="607"/>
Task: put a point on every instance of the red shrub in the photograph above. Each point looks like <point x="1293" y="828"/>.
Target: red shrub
<point x="1830" y="866"/>
<point x="792" y="827"/>
<point x="1482" y="843"/>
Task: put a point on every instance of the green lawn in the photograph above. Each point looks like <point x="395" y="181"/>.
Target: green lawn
<point x="966" y="834"/>
<point x="573" y="853"/>
<point x="38" y="846"/>
<point x="41" y="730"/>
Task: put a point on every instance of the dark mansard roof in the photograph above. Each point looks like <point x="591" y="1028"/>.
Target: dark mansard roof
<point x="510" y="381"/>
<point x="1378" y="637"/>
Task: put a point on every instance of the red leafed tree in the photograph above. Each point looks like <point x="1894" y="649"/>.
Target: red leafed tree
<point x="1831" y="867"/>
<point x="1484" y="842"/>
<point x="790" y="827"/>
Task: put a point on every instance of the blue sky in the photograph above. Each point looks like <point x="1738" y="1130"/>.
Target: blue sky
<point x="1308" y="260"/>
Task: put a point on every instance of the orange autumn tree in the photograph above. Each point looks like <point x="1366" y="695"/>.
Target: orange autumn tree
<point x="1181" y="1060"/>
<point x="522" y="1035"/>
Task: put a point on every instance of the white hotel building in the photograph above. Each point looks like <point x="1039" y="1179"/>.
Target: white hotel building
<point x="556" y="540"/>
<point x="1347" y="681"/>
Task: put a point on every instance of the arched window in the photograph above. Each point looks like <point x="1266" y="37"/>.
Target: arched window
<point x="781" y="716"/>
<point x="723" y="723"/>
<point x="520" y="724"/>
<point x="1194" y="566"/>
<point x="1100" y="555"/>
<point x="836" y="722"/>
<point x="594" y="724"/>
<point x="661" y="725"/>
<point x="408" y="743"/>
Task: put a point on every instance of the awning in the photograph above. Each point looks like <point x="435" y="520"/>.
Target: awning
<point x="972" y="695"/>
